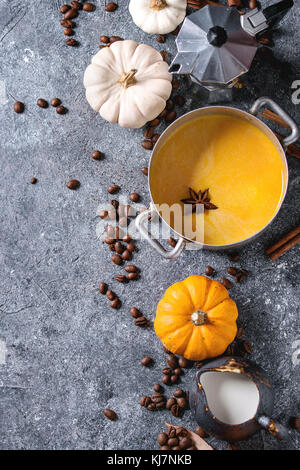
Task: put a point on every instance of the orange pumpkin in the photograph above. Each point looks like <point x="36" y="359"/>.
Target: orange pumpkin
<point x="196" y="318"/>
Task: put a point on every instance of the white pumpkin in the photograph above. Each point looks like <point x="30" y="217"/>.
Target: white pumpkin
<point x="128" y="83"/>
<point x="157" y="16"/>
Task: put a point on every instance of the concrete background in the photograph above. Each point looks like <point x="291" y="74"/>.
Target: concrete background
<point x="64" y="354"/>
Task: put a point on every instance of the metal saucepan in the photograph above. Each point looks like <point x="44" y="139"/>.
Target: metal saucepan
<point x="250" y="117"/>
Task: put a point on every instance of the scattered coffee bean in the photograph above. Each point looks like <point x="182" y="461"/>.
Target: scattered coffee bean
<point x="165" y="379"/>
<point x="103" y="288"/>
<point x="68" y="23"/>
<point x="162" y="438"/>
<point x="179" y="393"/>
<point x="185" y="443"/>
<point x="146" y="361"/>
<point x="141" y="321"/>
<point x="68" y="32"/>
<point x="157" y="387"/>
<point x="200" y="432"/>
<point x="172" y="242"/>
<point x="55" y="102"/>
<point x="173" y="441"/>
<point x="135" y="313"/>
<point x="147" y="144"/>
<point x="182" y="403"/>
<point x="110" y="294"/>
<point x="112" y="247"/>
<point x="176" y="411"/>
<point x="131" y="268"/>
<point x="127" y="238"/>
<point x="61" y="109"/>
<point x="113" y="189"/>
<point x="73" y="184"/>
<point x="19" y="107"/>
<point x="172" y="361"/>
<point x="117" y="259"/>
<point x="164" y="55"/>
<point x="177" y="371"/>
<point x="42" y="103"/>
<point x="161" y="38"/>
<point x="151" y="407"/>
<point x="103" y="214"/>
<point x="170" y="402"/>
<point x="252" y="4"/>
<point x="148" y="133"/>
<point x="154" y="123"/>
<point x="175" y="84"/>
<point x="126" y="255"/>
<point x="110" y="414"/>
<point x="119" y="247"/>
<point x="115" y="303"/>
<point x="64" y="8"/>
<point x="71" y="42"/>
<point x="130" y="247"/>
<point x="232" y="270"/>
<point x="104" y="39"/>
<point x="121" y="278"/>
<point x="167" y="371"/>
<point x="145" y="401"/>
<point x="113" y="39"/>
<point x="234" y="256"/>
<point x="87" y="6"/>
<point x="179" y="100"/>
<point x="71" y="14"/>
<point x="134" y="197"/>
<point x="170" y="105"/>
<point x="155" y="138"/>
<point x="209" y="271"/>
<point x="76" y="5"/>
<point x="163" y="114"/>
<point x="174" y="378"/>
<point x="171" y="116"/>
<point x="295" y="422"/>
<point x="176" y="31"/>
<point x="33" y="180"/>
<point x="133" y="276"/>
<point x="226" y="283"/>
<point x="111" y="6"/>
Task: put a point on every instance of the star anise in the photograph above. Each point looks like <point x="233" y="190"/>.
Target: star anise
<point x="202" y="197"/>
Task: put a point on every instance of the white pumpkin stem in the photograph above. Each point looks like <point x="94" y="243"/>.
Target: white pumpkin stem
<point x="128" y="79"/>
<point x="199" y="318"/>
<point x="158" y="4"/>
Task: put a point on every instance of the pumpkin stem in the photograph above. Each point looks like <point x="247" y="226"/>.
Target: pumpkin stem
<point x="158" y="4"/>
<point x="128" y="79"/>
<point x="199" y="318"/>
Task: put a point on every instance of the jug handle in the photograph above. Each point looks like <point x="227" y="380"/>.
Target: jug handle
<point x="265" y="101"/>
<point x="168" y="254"/>
<point x="273" y="427"/>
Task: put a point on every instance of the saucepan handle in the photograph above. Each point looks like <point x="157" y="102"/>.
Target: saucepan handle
<point x="265" y="101"/>
<point x="273" y="427"/>
<point x="140" y="225"/>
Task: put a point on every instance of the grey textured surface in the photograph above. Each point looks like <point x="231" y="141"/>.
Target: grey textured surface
<point x="64" y="354"/>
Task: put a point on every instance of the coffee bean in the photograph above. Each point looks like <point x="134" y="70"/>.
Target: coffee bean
<point x="155" y="138"/>
<point x="171" y="116"/>
<point x="64" y="8"/>
<point x="172" y="431"/>
<point x="87" y="6"/>
<point x="170" y="402"/>
<point x="162" y="438"/>
<point x="179" y="393"/>
<point x="181" y="432"/>
<point x="76" y="5"/>
<point x="151" y="407"/>
<point x="19" y="107"/>
<point x="146" y="361"/>
<point x="112" y="247"/>
<point x="71" y="42"/>
<point x="155" y="122"/>
<point x="174" y="379"/>
<point x="117" y="259"/>
<point x="165" y="379"/>
<point x="170" y="105"/>
<point x="126" y="255"/>
<point x="157" y="387"/>
<point x="176" y="411"/>
<point x="182" y="403"/>
<point x="148" y="133"/>
<point x="173" y="441"/>
<point x="42" y="103"/>
<point x="141" y="321"/>
<point x="68" y="23"/>
<point x="109" y="240"/>
<point x="179" y="100"/>
<point x="172" y="242"/>
<point x="110" y="294"/>
<point x="226" y="283"/>
<point x="164" y="448"/>
<point x="240" y="333"/>
<point x="232" y="270"/>
<point x="209" y="271"/>
<point x="175" y="84"/>
<point x="113" y="39"/>
<point x="135" y="313"/>
<point x="247" y="346"/>
<point x="163" y="114"/>
<point x="111" y="6"/>
<point x="134" y="197"/>
<point x="103" y="288"/>
<point x="104" y="39"/>
<point x="177" y="371"/>
<point x="121" y="278"/>
<point x="145" y="401"/>
<point x="55" y="102"/>
<point x="127" y="238"/>
<point x="232" y="447"/>
<point x="33" y="180"/>
<point x="130" y="247"/>
<point x="234" y="256"/>
<point x="295" y="422"/>
<point x="161" y="38"/>
<point x="167" y="371"/>
<point x="185" y="443"/>
<point x="61" y="109"/>
<point x="172" y="361"/>
<point x="200" y="432"/>
<point x="252" y="4"/>
<point x="110" y="414"/>
<point x="157" y="397"/>
<point x="68" y="32"/>
<point x="115" y="303"/>
<point x="176" y="31"/>
<point x="131" y="268"/>
<point x="164" y="55"/>
<point x="133" y="276"/>
<point x="119" y="247"/>
<point x="71" y="14"/>
<point x="183" y="362"/>
<point x="147" y="144"/>
<point x="73" y="184"/>
<point x="113" y="189"/>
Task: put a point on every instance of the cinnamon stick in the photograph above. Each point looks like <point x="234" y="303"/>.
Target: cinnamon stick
<point x="292" y="150"/>
<point x="283" y="245"/>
